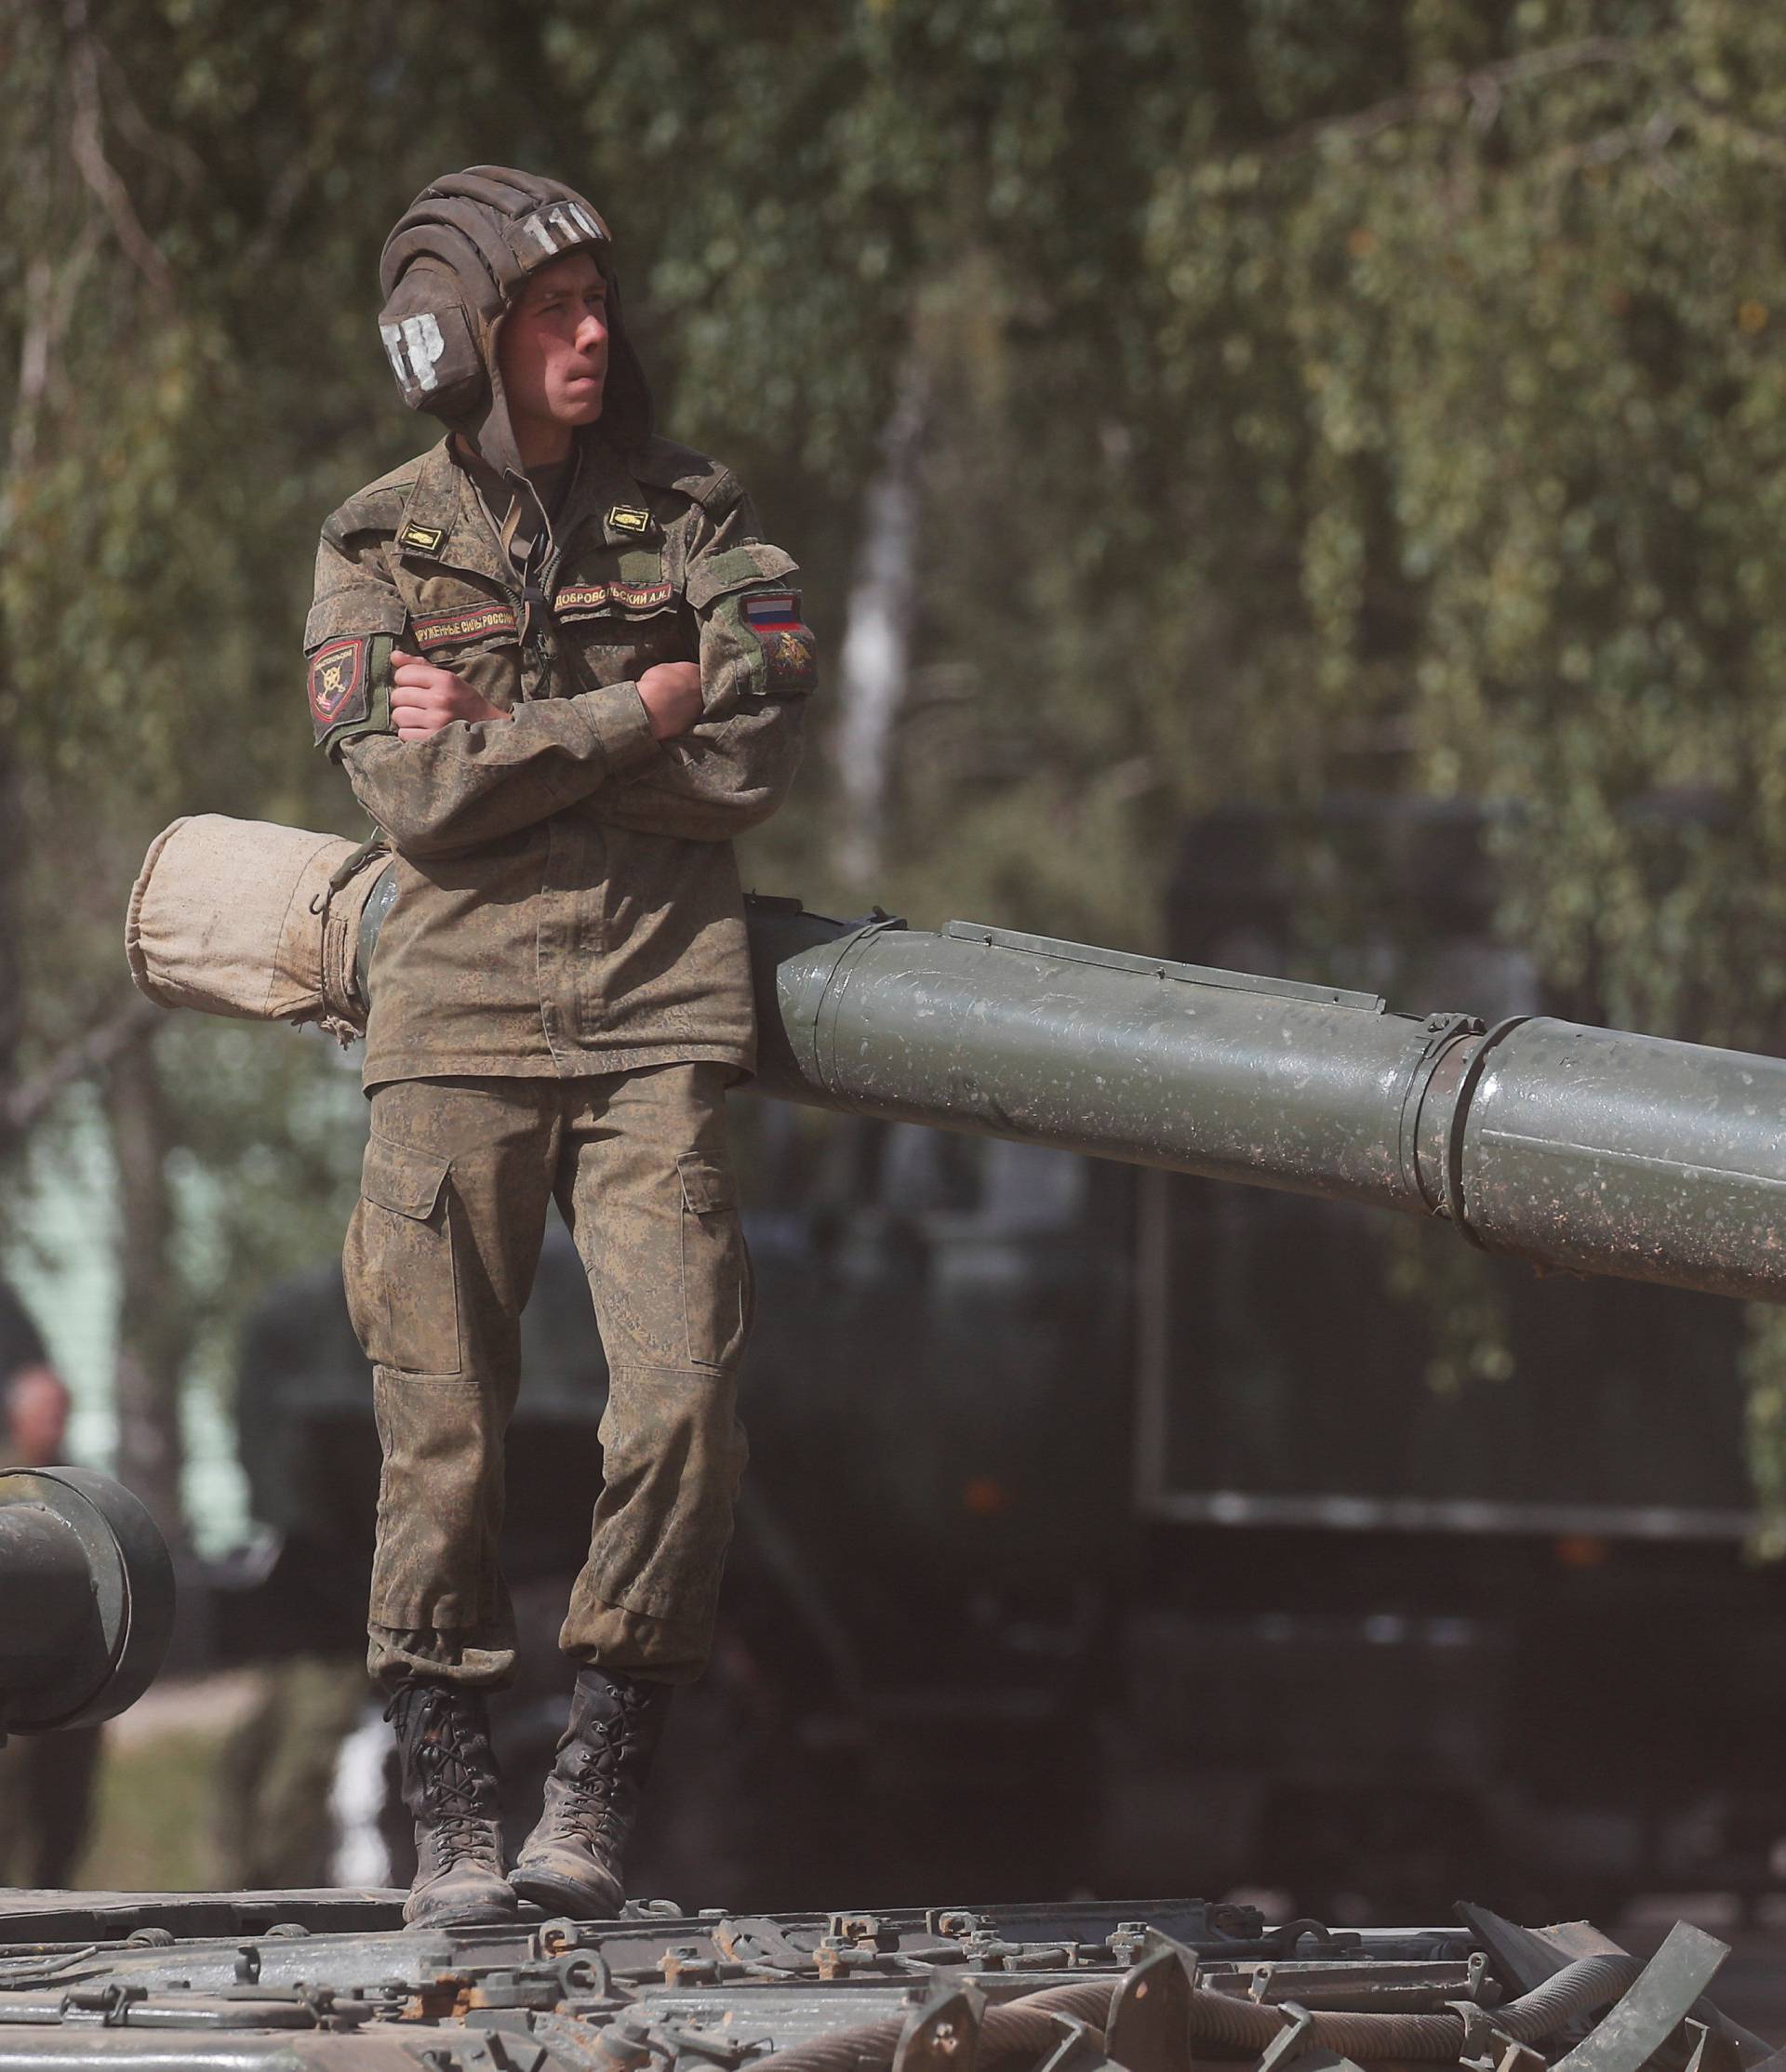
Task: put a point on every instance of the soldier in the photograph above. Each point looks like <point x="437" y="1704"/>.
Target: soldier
<point x="561" y="671"/>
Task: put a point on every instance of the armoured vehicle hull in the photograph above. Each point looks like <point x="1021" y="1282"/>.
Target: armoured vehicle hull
<point x="329" y="1979"/>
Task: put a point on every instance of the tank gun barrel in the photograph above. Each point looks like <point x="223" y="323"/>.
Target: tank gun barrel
<point x="1579" y="1148"/>
<point x="87" y="1599"/>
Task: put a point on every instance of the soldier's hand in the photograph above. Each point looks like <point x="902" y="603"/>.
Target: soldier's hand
<point x="671" y="695"/>
<point x="425" y="698"/>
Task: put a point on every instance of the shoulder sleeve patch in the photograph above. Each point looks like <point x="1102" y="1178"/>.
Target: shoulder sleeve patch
<point x="790" y="653"/>
<point x="339" y="670"/>
<point x="759" y="639"/>
<point x="349" y="687"/>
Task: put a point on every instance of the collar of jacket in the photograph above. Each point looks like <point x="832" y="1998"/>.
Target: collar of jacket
<point x="445" y="500"/>
<point x="602" y="484"/>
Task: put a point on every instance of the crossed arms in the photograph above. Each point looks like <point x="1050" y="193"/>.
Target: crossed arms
<point x="700" y="751"/>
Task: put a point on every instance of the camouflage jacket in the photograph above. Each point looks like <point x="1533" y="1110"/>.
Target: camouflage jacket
<point x="568" y="897"/>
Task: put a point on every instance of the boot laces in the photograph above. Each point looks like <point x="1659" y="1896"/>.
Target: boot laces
<point x="588" y="1808"/>
<point x="462" y="1836"/>
<point x="455" y="1766"/>
<point x="461" y="1828"/>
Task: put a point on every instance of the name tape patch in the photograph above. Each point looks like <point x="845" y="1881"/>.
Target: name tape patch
<point x="613" y="596"/>
<point x="428" y="537"/>
<point x="629" y="518"/>
<point x="472" y="622"/>
<point x="338" y="682"/>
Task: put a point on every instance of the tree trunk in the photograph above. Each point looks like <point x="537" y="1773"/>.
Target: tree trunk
<point x="11" y="992"/>
<point x="873" y="665"/>
<point x="151" y="1328"/>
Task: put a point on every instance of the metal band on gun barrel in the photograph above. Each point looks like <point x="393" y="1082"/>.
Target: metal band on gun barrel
<point x="830" y="1006"/>
<point x="1455" y="1205"/>
<point x="1443" y="1031"/>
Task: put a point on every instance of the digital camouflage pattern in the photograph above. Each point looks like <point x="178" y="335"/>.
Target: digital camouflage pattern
<point x="567" y="899"/>
<point x="439" y="1263"/>
<point x="560" y="990"/>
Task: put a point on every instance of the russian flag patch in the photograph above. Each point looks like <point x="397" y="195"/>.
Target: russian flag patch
<point x="766" y="608"/>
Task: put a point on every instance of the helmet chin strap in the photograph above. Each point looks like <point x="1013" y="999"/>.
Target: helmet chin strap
<point x="510" y="502"/>
<point x="520" y="522"/>
<point x="526" y="534"/>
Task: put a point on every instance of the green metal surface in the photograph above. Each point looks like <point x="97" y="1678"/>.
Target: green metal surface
<point x="1630" y="1155"/>
<point x="1578" y="1149"/>
<point x="1581" y="1149"/>
<point x="1643" y="2020"/>
<point x="1047" y="1042"/>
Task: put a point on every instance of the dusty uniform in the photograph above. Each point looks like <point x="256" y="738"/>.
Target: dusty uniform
<point x="559" y="998"/>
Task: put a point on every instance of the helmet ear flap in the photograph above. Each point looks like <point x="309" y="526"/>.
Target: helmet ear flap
<point x="450" y="270"/>
<point x="433" y="350"/>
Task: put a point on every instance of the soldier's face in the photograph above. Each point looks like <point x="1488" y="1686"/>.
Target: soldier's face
<point x="553" y="350"/>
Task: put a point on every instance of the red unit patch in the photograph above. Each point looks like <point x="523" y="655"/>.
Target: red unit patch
<point x="338" y="681"/>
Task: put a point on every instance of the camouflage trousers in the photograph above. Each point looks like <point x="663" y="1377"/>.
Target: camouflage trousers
<point x="439" y="1262"/>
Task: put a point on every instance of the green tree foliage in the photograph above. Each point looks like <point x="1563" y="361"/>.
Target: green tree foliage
<point x="1523" y="322"/>
<point x="1383" y="394"/>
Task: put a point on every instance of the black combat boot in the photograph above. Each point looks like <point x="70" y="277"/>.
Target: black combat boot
<point x="571" y="1863"/>
<point x="450" y="1786"/>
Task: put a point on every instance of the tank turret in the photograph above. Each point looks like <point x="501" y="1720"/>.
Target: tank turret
<point x="87" y="1599"/>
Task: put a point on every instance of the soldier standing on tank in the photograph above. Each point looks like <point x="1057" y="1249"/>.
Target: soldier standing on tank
<point x="561" y="671"/>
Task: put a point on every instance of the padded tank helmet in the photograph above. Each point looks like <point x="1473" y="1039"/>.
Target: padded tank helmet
<point x="452" y="269"/>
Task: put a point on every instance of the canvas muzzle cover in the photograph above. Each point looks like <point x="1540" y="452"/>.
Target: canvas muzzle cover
<point x="241" y="917"/>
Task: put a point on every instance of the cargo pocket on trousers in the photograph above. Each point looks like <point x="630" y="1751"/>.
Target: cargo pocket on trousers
<point x="403" y="1287"/>
<point x="716" y="1268"/>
